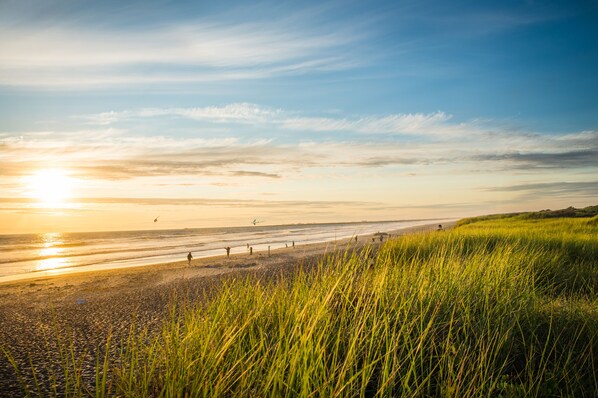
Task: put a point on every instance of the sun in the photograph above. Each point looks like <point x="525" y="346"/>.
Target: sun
<point x="50" y="187"/>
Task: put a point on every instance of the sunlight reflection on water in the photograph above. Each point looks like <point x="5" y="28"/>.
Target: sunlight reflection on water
<point x="50" y="249"/>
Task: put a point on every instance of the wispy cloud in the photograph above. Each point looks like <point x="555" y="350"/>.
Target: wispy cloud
<point x="192" y="51"/>
<point x="547" y="160"/>
<point x="242" y="173"/>
<point x="208" y="202"/>
<point x="435" y="123"/>
<point x="587" y="189"/>
<point x="108" y="44"/>
<point x="414" y="137"/>
<point x="109" y="151"/>
<point x="230" y="113"/>
<point x="431" y="124"/>
<point x="413" y="123"/>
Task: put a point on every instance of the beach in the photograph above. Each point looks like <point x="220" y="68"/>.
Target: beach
<point x="92" y="305"/>
<point x="46" y="254"/>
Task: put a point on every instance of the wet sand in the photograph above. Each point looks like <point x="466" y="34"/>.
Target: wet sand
<point x="89" y="306"/>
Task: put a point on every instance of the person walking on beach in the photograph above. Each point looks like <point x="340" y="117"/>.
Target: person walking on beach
<point x="189" y="258"/>
<point x="227" y="248"/>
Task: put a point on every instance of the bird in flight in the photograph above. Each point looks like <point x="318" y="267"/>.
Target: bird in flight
<point x="255" y="221"/>
<point x="156" y="219"/>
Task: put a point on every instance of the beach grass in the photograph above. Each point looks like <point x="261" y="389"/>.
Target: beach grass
<point x="500" y="307"/>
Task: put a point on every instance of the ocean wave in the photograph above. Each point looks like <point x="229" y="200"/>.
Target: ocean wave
<point x="98" y="252"/>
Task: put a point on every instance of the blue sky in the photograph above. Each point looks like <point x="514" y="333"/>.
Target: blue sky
<point x="341" y="110"/>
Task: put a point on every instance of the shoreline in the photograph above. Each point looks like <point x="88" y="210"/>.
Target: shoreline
<point x="101" y="266"/>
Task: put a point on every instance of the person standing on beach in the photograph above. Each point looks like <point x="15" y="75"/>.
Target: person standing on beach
<point x="189" y="258"/>
<point x="227" y="248"/>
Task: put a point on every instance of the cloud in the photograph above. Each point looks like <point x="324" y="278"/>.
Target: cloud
<point x="124" y="156"/>
<point x="204" y="202"/>
<point x="253" y="174"/>
<point x="586" y="189"/>
<point x="413" y="123"/>
<point x="220" y="167"/>
<point x="243" y="113"/>
<point x="547" y="160"/>
<point x="189" y="51"/>
<point x="246" y="113"/>
<point x="105" y="44"/>
<point x="507" y="141"/>
<point x="405" y="141"/>
<point x="199" y="44"/>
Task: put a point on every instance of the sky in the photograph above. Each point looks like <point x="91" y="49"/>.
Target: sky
<point x="215" y="113"/>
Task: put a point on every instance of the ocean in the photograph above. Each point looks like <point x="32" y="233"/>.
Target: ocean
<point x="33" y="255"/>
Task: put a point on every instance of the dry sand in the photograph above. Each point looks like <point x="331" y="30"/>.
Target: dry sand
<point x="92" y="304"/>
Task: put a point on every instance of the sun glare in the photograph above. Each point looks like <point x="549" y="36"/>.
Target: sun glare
<point x="51" y="187"/>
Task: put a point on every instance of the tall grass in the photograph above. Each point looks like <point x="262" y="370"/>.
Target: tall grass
<point x="495" y="308"/>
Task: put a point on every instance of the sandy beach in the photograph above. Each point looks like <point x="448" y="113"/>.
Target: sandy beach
<point x="93" y="305"/>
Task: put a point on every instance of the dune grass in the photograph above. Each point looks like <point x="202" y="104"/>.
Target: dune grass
<point x="496" y="308"/>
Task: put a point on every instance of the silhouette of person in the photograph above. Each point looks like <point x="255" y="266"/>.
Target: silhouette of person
<point x="251" y="251"/>
<point x="227" y="248"/>
<point x="439" y="227"/>
<point x="293" y="243"/>
<point x="189" y="258"/>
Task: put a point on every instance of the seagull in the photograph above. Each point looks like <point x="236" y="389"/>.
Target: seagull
<point x="255" y="221"/>
<point x="156" y="219"/>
